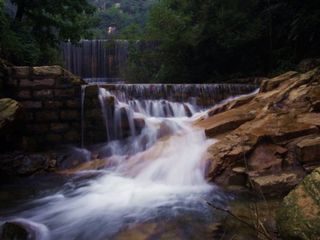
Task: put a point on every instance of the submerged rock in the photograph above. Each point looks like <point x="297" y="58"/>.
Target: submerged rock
<point x="21" y="229"/>
<point x="299" y="215"/>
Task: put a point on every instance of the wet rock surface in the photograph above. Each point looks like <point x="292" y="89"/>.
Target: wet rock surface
<point x="273" y="135"/>
<point x="21" y="229"/>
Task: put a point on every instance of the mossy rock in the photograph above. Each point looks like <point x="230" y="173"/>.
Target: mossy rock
<point x="299" y="215"/>
<point x="10" y="111"/>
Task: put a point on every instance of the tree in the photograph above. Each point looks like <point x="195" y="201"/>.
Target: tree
<point x="55" y="20"/>
<point x="128" y="16"/>
<point x="44" y="23"/>
<point x="214" y="40"/>
<point x="200" y="39"/>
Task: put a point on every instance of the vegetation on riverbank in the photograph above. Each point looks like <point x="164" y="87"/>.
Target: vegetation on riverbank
<point x="179" y="41"/>
<point x="201" y="41"/>
<point x="31" y="32"/>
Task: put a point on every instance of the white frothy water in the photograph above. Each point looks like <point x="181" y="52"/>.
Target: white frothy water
<point x="154" y="175"/>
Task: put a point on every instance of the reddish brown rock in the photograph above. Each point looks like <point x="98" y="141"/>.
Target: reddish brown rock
<point x="276" y="184"/>
<point x="225" y="122"/>
<point x="308" y="150"/>
<point x="269" y="135"/>
<point x="271" y="84"/>
<point x="267" y="157"/>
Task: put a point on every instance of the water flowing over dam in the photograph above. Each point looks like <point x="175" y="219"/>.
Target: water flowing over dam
<point x="123" y="106"/>
<point x="154" y="168"/>
<point x="96" y="59"/>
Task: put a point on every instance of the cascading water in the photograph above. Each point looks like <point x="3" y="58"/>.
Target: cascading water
<point x="96" y="60"/>
<point x="155" y="176"/>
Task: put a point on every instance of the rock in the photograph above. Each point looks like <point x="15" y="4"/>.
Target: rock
<point x="13" y="231"/>
<point x="90" y="165"/>
<point x="299" y="215"/>
<point x="47" y="71"/>
<point x="230" y="105"/>
<point x="263" y="133"/>
<point x="21" y="72"/>
<point x="22" y="164"/>
<point x="11" y="123"/>
<point x="139" y="124"/>
<point x="308" y="64"/>
<point x="167" y="128"/>
<point x="308" y="150"/>
<point x="226" y="122"/>
<point x="21" y="229"/>
<point x="187" y="110"/>
<point x="271" y="84"/>
<point x="10" y="111"/>
<point x="266" y="157"/>
<point x="276" y="184"/>
<point x="315" y="106"/>
<point x="72" y="158"/>
<point x="238" y="177"/>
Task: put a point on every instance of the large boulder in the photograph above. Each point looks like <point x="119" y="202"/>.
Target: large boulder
<point x="267" y="134"/>
<point x="299" y="215"/>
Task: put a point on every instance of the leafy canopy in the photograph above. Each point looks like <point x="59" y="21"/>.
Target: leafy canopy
<point x="40" y="25"/>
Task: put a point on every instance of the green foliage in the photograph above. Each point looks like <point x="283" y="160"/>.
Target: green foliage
<point x="212" y="40"/>
<point x="33" y="35"/>
<point x="128" y="16"/>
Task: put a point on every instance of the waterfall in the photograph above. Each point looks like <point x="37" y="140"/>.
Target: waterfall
<point x="96" y="60"/>
<point x="200" y="94"/>
<point x="155" y="175"/>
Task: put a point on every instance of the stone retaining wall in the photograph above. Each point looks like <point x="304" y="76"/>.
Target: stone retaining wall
<point x="51" y="97"/>
<point x="94" y="125"/>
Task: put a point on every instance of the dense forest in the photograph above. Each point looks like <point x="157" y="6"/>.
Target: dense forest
<point x="179" y="40"/>
<point x="210" y="40"/>
<point x="127" y="16"/>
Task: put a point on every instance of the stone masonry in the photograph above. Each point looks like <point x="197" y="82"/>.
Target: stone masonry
<point x="51" y="97"/>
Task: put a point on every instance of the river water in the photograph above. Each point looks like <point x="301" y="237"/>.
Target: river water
<point x="154" y="187"/>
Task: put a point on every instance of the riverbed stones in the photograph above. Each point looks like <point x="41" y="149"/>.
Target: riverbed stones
<point x="299" y="215"/>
